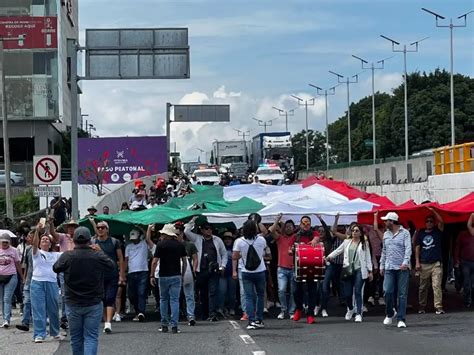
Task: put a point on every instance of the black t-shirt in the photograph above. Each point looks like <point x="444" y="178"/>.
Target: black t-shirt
<point x="209" y="253"/>
<point x="170" y="252"/>
<point x="430" y="246"/>
<point x="109" y="247"/>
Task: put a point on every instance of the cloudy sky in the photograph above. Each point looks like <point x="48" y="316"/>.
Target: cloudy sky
<point x="253" y="54"/>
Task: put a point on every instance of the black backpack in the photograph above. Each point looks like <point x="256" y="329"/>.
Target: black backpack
<point x="252" y="261"/>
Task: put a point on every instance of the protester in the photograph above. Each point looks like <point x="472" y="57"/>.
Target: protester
<point x="227" y="284"/>
<point x="59" y="206"/>
<point x="251" y="249"/>
<point x="171" y="254"/>
<point x="428" y="254"/>
<point x="136" y="259"/>
<point x="395" y="267"/>
<point x="92" y="212"/>
<point x="151" y="202"/>
<point x="84" y="269"/>
<point x="357" y="267"/>
<point x="140" y="202"/>
<point x="464" y="259"/>
<point x="9" y="269"/>
<point x="212" y="256"/>
<point x="44" y="288"/>
<point x="112" y="279"/>
<point x="106" y="210"/>
<point x="27" y="267"/>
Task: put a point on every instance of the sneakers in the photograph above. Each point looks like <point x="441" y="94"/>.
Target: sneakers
<point x="117" y="318"/>
<point x="440" y="311"/>
<point x="64" y="325"/>
<point x="244" y="317"/>
<point x="371" y="301"/>
<point x="292" y="316"/>
<point x="310" y="320"/>
<point x="141" y="317"/>
<point x="6" y="324"/>
<point x="38" y="340"/>
<point x="163" y="329"/>
<point x="358" y="318"/>
<point x="388" y="320"/>
<point x="281" y="315"/>
<point x="175" y="330"/>
<point x="324" y="313"/>
<point x="421" y="311"/>
<point x="23" y="327"/>
<point x="349" y="314"/>
<point x="401" y="324"/>
<point x="251" y="326"/>
<point x="381" y="301"/>
<point x="316" y="310"/>
<point x="259" y="324"/>
<point x="265" y="310"/>
<point x="107" y="327"/>
<point x="297" y="315"/>
<point x="192" y="323"/>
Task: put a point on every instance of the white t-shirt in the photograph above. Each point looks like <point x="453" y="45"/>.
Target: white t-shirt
<point x="137" y="255"/>
<point x="242" y="245"/>
<point x="43" y="262"/>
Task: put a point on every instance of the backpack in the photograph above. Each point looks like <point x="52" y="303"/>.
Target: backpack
<point x="252" y="261"/>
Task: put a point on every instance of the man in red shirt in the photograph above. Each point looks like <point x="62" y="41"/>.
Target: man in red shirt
<point x="285" y="239"/>
<point x="464" y="258"/>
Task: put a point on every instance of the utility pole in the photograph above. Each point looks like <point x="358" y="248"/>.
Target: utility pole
<point x="348" y="81"/>
<point x="72" y="49"/>
<point x="380" y="65"/>
<point x="243" y="134"/>
<point x="326" y="93"/>
<point x="6" y="143"/>
<point x="405" y="50"/>
<point x="285" y="113"/>
<point x="305" y="103"/>
<point x="451" y="27"/>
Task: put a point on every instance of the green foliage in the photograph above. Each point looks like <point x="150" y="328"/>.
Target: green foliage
<point x="317" y="149"/>
<point x="429" y="120"/>
<point x="22" y="204"/>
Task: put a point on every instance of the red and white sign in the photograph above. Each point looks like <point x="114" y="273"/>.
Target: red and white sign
<point x="38" y="32"/>
<point x="47" y="170"/>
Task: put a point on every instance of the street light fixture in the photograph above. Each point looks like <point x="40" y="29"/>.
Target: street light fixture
<point x="405" y="51"/>
<point x="265" y="124"/>
<point x="348" y="81"/>
<point x="451" y="27"/>
<point x="285" y="113"/>
<point x="326" y="92"/>
<point x="244" y="134"/>
<point x="305" y="103"/>
<point x="201" y="151"/>
<point x="379" y="65"/>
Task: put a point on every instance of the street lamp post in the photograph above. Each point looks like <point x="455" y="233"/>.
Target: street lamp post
<point x="380" y="65"/>
<point x="243" y="134"/>
<point x="405" y="50"/>
<point x="348" y="81"/>
<point x="326" y="93"/>
<point x="200" y="152"/>
<point x="264" y="124"/>
<point x="285" y="113"/>
<point x="451" y="27"/>
<point x="305" y="103"/>
<point x="6" y="143"/>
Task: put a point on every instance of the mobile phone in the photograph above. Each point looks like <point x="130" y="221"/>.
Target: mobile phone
<point x="42" y="221"/>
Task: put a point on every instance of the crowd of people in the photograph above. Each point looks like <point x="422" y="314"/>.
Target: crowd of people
<point x="202" y="274"/>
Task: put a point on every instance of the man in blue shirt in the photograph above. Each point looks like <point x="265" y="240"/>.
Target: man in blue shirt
<point x="429" y="261"/>
<point x="395" y="265"/>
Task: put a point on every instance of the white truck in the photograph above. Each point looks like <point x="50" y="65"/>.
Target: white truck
<point x="231" y="155"/>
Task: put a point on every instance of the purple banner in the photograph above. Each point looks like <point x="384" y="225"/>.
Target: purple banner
<point x="120" y="159"/>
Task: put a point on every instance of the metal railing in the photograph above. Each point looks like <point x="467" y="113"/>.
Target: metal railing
<point x="454" y="159"/>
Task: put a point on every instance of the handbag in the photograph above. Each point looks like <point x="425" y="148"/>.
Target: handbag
<point x="348" y="270"/>
<point x="4" y="279"/>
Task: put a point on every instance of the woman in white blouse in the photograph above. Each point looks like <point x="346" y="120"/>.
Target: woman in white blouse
<point x="357" y="267"/>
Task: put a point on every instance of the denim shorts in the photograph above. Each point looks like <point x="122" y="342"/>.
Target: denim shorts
<point x="110" y="291"/>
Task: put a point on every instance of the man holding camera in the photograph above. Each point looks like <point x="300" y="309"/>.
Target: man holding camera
<point x="212" y="257"/>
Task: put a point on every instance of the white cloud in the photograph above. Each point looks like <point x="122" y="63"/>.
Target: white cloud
<point x="222" y="94"/>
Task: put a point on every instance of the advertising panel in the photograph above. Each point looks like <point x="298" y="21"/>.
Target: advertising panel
<point x="38" y="32"/>
<point x="120" y="159"/>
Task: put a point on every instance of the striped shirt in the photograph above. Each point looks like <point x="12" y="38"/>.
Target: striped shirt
<point x="396" y="250"/>
<point x="335" y="244"/>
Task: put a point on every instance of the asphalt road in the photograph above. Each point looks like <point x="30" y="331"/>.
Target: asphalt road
<point x="452" y="333"/>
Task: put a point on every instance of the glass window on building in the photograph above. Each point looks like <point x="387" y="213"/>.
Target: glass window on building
<point x="28" y="7"/>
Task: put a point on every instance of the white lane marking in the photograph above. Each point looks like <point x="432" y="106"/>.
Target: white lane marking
<point x="235" y="325"/>
<point x="247" y="339"/>
<point x="258" y="352"/>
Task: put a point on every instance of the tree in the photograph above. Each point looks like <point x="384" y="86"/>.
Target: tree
<point x="317" y="149"/>
<point x="95" y="172"/>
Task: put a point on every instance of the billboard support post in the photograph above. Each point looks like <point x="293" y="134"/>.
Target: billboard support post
<point x="72" y="53"/>
<point x="168" y="133"/>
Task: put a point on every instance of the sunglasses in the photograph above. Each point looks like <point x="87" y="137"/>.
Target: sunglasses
<point x="101" y="227"/>
<point x="356" y="230"/>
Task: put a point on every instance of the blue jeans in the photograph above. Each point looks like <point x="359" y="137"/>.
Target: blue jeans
<point x="286" y="276"/>
<point x="254" y="288"/>
<point x="188" y="290"/>
<point x="353" y="286"/>
<point x="84" y="323"/>
<point x="467" y="268"/>
<point x="242" y="293"/>
<point x="170" y="288"/>
<point x="63" y="304"/>
<point x="332" y="273"/>
<point x="137" y="290"/>
<point x="6" y="295"/>
<point x="45" y="304"/>
<point x="396" y="279"/>
<point x="227" y="287"/>
<point x="26" y="320"/>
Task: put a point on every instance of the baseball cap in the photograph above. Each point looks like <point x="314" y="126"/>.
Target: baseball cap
<point x="134" y="234"/>
<point x="82" y="234"/>
<point x="392" y="216"/>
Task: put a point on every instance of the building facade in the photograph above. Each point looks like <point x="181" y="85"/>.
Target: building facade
<point x="36" y="74"/>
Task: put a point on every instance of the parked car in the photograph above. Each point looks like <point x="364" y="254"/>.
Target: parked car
<point x="15" y="178"/>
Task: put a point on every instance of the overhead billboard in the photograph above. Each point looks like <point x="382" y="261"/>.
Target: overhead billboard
<point x="117" y="160"/>
<point x="201" y="113"/>
<point x="38" y="32"/>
